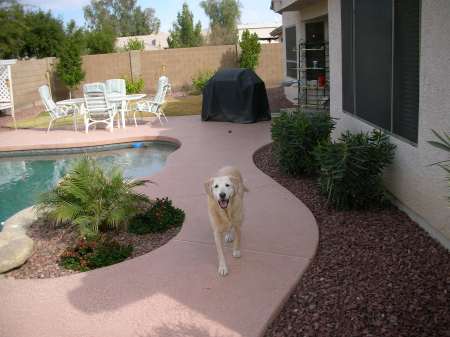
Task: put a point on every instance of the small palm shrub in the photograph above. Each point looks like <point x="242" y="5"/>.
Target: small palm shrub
<point x="294" y="137"/>
<point x="93" y="199"/>
<point x="351" y="169"/>
<point x="134" y="86"/>
<point x="200" y="80"/>
<point x="91" y="254"/>
<point x="161" y="216"/>
<point x="443" y="143"/>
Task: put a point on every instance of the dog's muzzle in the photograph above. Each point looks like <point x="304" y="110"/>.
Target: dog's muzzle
<point x="223" y="203"/>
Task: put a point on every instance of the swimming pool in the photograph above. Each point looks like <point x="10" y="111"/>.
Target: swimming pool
<point x="26" y="174"/>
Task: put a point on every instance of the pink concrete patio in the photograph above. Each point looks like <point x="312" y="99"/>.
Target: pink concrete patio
<point x="175" y="290"/>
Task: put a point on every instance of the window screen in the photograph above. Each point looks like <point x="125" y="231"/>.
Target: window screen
<point x="347" y="55"/>
<point x="406" y="69"/>
<point x="373" y="61"/>
<point x="291" y="53"/>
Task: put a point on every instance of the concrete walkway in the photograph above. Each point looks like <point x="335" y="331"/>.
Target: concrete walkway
<point x="175" y="290"/>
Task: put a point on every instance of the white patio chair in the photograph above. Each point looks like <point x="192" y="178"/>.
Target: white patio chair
<point x="56" y="111"/>
<point x="97" y="108"/>
<point x="116" y="87"/>
<point x="154" y="106"/>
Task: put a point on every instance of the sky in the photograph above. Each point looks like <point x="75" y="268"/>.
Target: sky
<point x="253" y="11"/>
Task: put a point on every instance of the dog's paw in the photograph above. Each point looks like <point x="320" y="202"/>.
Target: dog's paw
<point x="229" y="237"/>
<point x="223" y="270"/>
<point x="236" y="253"/>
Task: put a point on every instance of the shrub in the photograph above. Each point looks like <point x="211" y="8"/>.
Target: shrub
<point x="100" y="41"/>
<point x="442" y="142"/>
<point x="134" y="44"/>
<point x="250" y="50"/>
<point x="134" y="86"/>
<point x="91" y="254"/>
<point x="92" y="199"/>
<point x="351" y="169"/>
<point x="294" y="138"/>
<point x="199" y="81"/>
<point x="158" y="218"/>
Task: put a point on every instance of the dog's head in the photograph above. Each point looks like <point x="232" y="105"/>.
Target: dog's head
<point x="222" y="189"/>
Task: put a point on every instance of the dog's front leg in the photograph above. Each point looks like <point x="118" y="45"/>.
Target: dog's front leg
<point x="237" y="242"/>
<point x="223" y="270"/>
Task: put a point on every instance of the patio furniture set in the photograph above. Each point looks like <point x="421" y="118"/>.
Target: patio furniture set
<point x="102" y="102"/>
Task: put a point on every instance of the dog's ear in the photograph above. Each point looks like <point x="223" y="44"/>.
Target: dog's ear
<point x="208" y="186"/>
<point x="238" y="187"/>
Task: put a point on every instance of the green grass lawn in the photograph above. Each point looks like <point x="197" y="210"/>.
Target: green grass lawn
<point x="175" y="106"/>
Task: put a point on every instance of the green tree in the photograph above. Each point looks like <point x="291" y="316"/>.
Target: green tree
<point x="13" y="28"/>
<point x="69" y="67"/>
<point x="125" y="16"/>
<point x="28" y="33"/>
<point x="44" y="34"/>
<point x="100" y="41"/>
<point x="250" y="50"/>
<point x="184" y="34"/>
<point x="224" y="16"/>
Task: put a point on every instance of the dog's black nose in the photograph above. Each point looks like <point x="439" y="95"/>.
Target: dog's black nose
<point x="222" y="195"/>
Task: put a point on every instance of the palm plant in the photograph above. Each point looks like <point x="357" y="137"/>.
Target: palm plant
<point x="93" y="199"/>
<point x="442" y="143"/>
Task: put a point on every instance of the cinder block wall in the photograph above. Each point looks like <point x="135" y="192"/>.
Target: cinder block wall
<point x="180" y="65"/>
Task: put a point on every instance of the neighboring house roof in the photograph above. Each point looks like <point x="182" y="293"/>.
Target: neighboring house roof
<point x="277" y="32"/>
<point x="151" y="42"/>
<point x="263" y="30"/>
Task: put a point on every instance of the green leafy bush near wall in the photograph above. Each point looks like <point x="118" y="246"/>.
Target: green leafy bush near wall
<point x="200" y="80"/>
<point x="161" y="216"/>
<point x="91" y="254"/>
<point x="351" y="169"/>
<point x="134" y="86"/>
<point x="294" y="137"/>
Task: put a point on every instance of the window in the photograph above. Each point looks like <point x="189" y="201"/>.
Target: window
<point x="291" y="51"/>
<point x="380" y="67"/>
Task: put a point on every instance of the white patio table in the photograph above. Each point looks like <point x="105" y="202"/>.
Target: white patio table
<point x="124" y="100"/>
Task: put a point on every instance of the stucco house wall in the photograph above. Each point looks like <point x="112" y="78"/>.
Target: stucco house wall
<point x="419" y="189"/>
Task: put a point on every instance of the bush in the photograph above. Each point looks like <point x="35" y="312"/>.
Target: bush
<point x="134" y="86"/>
<point x="294" y="137"/>
<point x="158" y="218"/>
<point x="91" y="254"/>
<point x="351" y="169"/>
<point x="134" y="44"/>
<point x="199" y="82"/>
<point x="92" y="199"/>
<point x="250" y="50"/>
<point x="69" y="67"/>
<point x="442" y="142"/>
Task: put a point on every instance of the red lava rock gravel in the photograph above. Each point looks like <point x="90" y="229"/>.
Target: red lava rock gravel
<point x="50" y="242"/>
<point x="376" y="273"/>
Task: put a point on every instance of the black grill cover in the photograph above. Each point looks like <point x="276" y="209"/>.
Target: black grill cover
<point x="235" y="95"/>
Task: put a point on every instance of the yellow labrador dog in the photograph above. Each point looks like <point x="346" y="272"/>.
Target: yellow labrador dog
<point x="226" y="210"/>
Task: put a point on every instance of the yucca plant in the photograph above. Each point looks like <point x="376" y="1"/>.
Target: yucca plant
<point x="93" y="199"/>
<point x="443" y="143"/>
<point x="351" y="169"/>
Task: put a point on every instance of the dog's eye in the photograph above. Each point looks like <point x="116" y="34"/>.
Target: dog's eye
<point x="216" y="186"/>
<point x="227" y="185"/>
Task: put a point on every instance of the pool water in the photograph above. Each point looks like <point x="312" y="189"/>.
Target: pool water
<point x="23" y="178"/>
